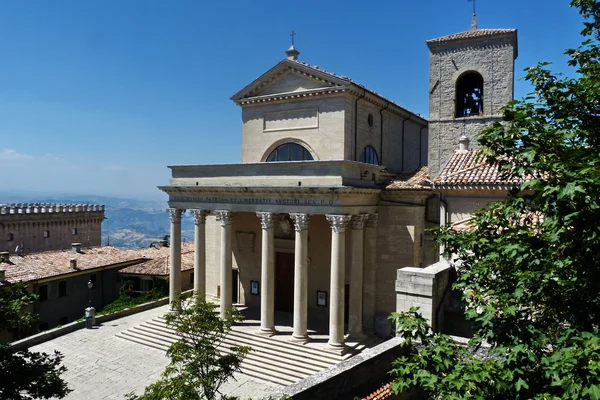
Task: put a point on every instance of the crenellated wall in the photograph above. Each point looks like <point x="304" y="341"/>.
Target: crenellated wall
<point x="34" y="227"/>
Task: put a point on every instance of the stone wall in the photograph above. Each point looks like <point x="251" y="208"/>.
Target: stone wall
<point x="425" y="288"/>
<point x="43" y="227"/>
<point x="493" y="58"/>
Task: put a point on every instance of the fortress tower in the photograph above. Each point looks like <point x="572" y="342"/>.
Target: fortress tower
<point x="35" y="227"/>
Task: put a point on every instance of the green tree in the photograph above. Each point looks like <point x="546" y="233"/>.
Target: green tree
<point x="198" y="365"/>
<point x="530" y="267"/>
<point x="25" y="374"/>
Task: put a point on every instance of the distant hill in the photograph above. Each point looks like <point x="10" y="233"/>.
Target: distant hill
<point x="130" y="223"/>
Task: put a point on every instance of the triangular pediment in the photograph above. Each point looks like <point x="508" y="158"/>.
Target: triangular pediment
<point x="289" y="77"/>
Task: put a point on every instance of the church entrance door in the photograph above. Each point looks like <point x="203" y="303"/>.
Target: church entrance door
<point x="284" y="282"/>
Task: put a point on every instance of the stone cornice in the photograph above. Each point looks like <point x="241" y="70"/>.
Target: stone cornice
<point x="307" y="94"/>
<point x="342" y="191"/>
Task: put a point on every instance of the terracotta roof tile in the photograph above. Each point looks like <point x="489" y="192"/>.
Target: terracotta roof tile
<point x="471" y="34"/>
<point x="159" y="264"/>
<point x="463" y="169"/>
<point x="48" y="264"/>
<point x="413" y="180"/>
<point x="383" y="392"/>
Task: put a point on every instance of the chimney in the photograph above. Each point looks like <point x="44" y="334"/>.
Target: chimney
<point x="4" y="257"/>
<point x="76" y="247"/>
<point x="463" y="144"/>
<point x="73" y="263"/>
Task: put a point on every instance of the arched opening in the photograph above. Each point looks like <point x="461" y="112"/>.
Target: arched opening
<point x="369" y="156"/>
<point x="290" y="152"/>
<point x="469" y="95"/>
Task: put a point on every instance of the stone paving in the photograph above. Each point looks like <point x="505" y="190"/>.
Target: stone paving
<point x="102" y="366"/>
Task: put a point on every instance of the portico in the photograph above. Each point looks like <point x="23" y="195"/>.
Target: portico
<point x="344" y="208"/>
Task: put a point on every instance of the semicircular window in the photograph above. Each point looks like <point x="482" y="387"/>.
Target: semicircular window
<point x="369" y="156"/>
<point x="290" y="152"/>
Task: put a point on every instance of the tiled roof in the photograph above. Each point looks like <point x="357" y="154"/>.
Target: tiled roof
<point x="413" y="180"/>
<point x="464" y="225"/>
<point x="463" y="169"/>
<point x="159" y="264"/>
<point x="383" y="392"/>
<point x="48" y="264"/>
<point x="472" y="34"/>
<point x="345" y="78"/>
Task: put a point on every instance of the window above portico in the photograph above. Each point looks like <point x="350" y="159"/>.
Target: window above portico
<point x="290" y="152"/>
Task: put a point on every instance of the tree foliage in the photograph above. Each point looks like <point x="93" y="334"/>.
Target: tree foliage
<point x="198" y="366"/>
<point x="25" y="374"/>
<point x="530" y="267"/>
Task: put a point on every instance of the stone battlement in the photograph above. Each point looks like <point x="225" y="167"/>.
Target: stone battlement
<point x="42" y="208"/>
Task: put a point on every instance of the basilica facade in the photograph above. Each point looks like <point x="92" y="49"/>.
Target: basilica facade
<point x="337" y="186"/>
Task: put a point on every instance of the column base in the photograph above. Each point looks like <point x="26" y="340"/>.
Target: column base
<point x="267" y="332"/>
<point x="337" y="348"/>
<point x="300" y="339"/>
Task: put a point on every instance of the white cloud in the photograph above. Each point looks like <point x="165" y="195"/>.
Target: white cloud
<point x="12" y="155"/>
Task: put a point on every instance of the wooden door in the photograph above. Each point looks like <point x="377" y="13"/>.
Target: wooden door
<point x="284" y="282"/>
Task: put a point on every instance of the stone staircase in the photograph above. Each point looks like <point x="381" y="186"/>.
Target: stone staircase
<point x="274" y="360"/>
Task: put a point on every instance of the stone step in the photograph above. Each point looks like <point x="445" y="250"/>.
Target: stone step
<point x="250" y="367"/>
<point x="268" y="364"/>
<point x="275" y="346"/>
<point x="294" y="360"/>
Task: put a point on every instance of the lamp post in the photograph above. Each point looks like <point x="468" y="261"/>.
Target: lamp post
<point x="90" y="286"/>
<point x="90" y="312"/>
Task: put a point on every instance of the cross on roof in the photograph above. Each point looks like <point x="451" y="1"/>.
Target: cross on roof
<point x="474" y="4"/>
<point x="292" y="35"/>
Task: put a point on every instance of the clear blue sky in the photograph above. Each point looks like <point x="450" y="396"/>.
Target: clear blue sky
<point x="98" y="97"/>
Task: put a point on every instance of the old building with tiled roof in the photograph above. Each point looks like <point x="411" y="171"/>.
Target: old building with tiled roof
<point x="60" y="279"/>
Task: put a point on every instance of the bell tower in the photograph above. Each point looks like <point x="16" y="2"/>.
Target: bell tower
<point x="471" y="77"/>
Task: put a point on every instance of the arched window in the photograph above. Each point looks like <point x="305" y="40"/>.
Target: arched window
<point x="469" y="95"/>
<point x="369" y="156"/>
<point x="290" y="152"/>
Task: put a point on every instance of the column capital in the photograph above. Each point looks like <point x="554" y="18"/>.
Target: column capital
<point x="175" y="214"/>
<point x="358" y="221"/>
<point x="372" y="220"/>
<point x="301" y="221"/>
<point x="266" y="219"/>
<point x="225" y="216"/>
<point x="338" y="222"/>
<point x="199" y="216"/>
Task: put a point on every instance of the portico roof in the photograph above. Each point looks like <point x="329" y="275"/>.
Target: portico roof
<point x="303" y="186"/>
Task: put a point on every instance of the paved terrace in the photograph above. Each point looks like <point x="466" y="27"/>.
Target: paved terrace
<point x="102" y="366"/>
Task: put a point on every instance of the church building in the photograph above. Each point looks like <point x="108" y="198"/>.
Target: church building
<point x="337" y="186"/>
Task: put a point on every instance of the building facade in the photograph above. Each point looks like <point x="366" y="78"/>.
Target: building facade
<point x="335" y="189"/>
<point x="35" y="227"/>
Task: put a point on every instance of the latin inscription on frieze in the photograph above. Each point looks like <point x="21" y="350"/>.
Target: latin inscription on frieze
<point x="254" y="200"/>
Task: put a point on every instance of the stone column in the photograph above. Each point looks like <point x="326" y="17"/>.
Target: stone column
<point x="336" y="289"/>
<point x="175" y="258"/>
<point x="226" y="218"/>
<point x="199" y="252"/>
<point x="370" y="250"/>
<point x="267" y="275"/>
<point x="301" y="222"/>
<point x="356" y="276"/>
